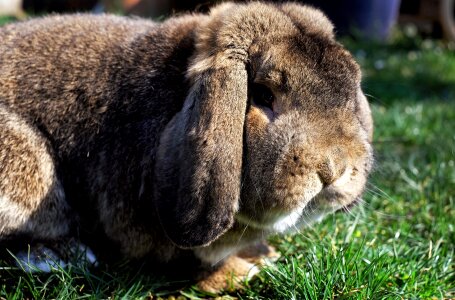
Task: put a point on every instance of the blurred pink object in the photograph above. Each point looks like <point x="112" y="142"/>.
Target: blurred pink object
<point x="128" y="4"/>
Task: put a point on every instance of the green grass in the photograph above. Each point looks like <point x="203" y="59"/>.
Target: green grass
<point x="5" y="19"/>
<point x="399" y="244"/>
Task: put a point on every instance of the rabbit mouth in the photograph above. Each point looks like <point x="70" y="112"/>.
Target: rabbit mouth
<point x="309" y="207"/>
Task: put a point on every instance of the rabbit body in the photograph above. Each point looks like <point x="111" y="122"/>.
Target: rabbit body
<point x="80" y="86"/>
<point x="155" y="137"/>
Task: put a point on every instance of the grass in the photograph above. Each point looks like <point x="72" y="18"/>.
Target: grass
<point x="399" y="244"/>
<point x="5" y="19"/>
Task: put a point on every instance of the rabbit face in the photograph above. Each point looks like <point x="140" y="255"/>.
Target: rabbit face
<point x="274" y="131"/>
<point x="308" y="132"/>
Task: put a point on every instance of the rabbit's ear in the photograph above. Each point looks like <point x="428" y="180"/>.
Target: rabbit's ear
<point x="199" y="160"/>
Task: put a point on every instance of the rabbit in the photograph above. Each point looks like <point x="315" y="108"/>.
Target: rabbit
<point x="189" y="140"/>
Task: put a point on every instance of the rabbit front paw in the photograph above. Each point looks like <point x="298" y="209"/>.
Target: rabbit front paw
<point x="230" y="276"/>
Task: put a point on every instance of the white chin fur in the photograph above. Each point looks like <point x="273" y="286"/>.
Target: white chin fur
<point x="299" y="219"/>
<point x="287" y="222"/>
<point x="292" y="222"/>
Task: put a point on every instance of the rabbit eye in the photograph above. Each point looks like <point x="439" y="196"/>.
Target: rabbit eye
<point x="262" y="96"/>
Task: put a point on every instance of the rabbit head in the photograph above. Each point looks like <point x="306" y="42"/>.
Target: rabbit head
<point x="275" y="129"/>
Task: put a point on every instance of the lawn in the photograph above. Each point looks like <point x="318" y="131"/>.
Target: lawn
<point x="399" y="244"/>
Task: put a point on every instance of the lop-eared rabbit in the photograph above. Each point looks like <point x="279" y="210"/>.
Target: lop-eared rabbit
<point x="191" y="139"/>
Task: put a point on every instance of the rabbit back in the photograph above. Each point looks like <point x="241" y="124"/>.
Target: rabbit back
<point x="67" y="73"/>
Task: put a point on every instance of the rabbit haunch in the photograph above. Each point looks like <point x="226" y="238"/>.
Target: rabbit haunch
<point x="193" y="138"/>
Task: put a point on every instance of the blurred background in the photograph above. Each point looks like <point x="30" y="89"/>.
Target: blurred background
<point x="372" y="19"/>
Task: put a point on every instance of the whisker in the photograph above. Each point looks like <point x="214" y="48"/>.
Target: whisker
<point x="379" y="190"/>
<point x="364" y="204"/>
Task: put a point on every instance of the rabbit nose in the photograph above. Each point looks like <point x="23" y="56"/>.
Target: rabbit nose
<point x="301" y="161"/>
<point x="328" y="172"/>
<point x="325" y="173"/>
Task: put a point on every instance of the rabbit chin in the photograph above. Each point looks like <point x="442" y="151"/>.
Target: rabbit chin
<point x="294" y="221"/>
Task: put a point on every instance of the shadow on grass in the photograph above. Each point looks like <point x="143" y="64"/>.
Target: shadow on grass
<point x="125" y="280"/>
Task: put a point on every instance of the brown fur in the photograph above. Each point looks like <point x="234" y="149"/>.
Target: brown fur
<point x="99" y="123"/>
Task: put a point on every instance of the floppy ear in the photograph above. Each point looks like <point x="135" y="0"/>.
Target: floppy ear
<point x="199" y="160"/>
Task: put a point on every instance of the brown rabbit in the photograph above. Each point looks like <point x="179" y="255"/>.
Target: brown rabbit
<point x="193" y="138"/>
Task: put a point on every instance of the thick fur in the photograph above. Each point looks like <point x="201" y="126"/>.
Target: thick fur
<point x="148" y="134"/>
